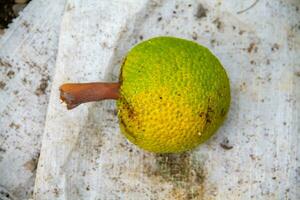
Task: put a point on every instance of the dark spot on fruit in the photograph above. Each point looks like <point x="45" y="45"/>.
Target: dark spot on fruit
<point x="208" y="114"/>
<point x="121" y="71"/>
<point x="208" y="121"/>
<point x="202" y="114"/>
<point x="129" y="111"/>
<point x="201" y="11"/>
<point x="223" y="112"/>
<point x="128" y="132"/>
<point x="160" y="97"/>
<point x="115" y="112"/>
<point x="131" y="115"/>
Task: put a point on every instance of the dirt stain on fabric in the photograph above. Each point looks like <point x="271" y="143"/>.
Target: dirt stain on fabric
<point x="183" y="173"/>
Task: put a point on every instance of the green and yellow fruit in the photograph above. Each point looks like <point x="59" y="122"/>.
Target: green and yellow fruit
<point x="173" y="95"/>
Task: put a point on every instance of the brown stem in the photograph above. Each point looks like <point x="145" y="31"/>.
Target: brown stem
<point x="73" y="94"/>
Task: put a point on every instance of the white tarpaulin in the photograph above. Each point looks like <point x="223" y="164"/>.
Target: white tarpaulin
<point x="28" y="51"/>
<point x="254" y="155"/>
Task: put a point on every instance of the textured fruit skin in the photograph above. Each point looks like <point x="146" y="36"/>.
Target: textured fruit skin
<point x="174" y="95"/>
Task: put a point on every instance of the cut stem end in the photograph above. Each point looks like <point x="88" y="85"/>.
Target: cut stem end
<point x="74" y="94"/>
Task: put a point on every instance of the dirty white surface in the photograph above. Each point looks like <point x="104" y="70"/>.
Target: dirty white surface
<point x="254" y="155"/>
<point x="28" y="51"/>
